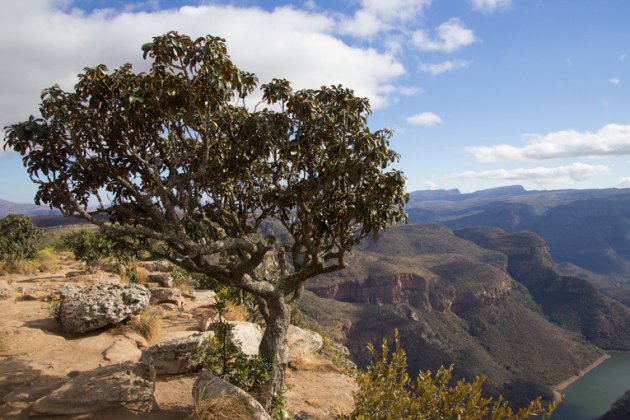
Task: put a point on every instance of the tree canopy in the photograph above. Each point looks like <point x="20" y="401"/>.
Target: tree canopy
<point x="177" y="156"/>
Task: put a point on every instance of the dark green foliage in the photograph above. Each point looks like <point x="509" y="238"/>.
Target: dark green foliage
<point x="18" y="239"/>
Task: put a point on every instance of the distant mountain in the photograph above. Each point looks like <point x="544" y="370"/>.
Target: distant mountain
<point x="457" y="300"/>
<point x="584" y="229"/>
<point x="7" y="207"/>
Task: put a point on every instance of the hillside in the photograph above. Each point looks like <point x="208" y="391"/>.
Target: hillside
<point x="453" y="302"/>
<point x="584" y="229"/>
<point x="8" y="207"/>
<point x="571" y="302"/>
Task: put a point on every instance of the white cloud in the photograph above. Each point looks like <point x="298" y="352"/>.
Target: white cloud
<point x="449" y="36"/>
<point x="409" y="90"/>
<point x="489" y="6"/>
<point x="614" y="81"/>
<point x="576" y="172"/>
<point x="444" y="66"/>
<point x="430" y="185"/>
<point x="610" y="140"/>
<point x="43" y="43"/>
<point x="428" y="119"/>
<point x="622" y="56"/>
<point x="376" y="16"/>
<point x="624" y="181"/>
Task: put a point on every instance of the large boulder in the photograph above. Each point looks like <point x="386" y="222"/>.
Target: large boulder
<point x="129" y="385"/>
<point x="302" y="342"/>
<point x="224" y="400"/>
<point x="246" y="336"/>
<point x="100" y="305"/>
<point x="176" y="355"/>
<point x="166" y="295"/>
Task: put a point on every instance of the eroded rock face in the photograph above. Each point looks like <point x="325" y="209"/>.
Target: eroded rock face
<point x="177" y="355"/>
<point x="382" y="289"/>
<point x="230" y="399"/>
<point x="129" y="385"/>
<point x="103" y="304"/>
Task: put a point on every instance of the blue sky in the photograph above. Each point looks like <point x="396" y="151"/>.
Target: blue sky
<point x="480" y="93"/>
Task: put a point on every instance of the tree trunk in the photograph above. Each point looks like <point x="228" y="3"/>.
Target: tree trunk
<point x="274" y="348"/>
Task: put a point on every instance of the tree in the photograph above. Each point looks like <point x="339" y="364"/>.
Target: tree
<point x="386" y="391"/>
<point x="18" y="238"/>
<point x="176" y="156"/>
<point x="91" y="247"/>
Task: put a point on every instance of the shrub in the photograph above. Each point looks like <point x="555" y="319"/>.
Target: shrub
<point x="47" y="260"/>
<point x="18" y="237"/>
<point x="386" y="391"/>
<point x="91" y="247"/>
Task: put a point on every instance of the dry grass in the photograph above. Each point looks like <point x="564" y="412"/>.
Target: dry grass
<point x="221" y="408"/>
<point x="142" y="274"/>
<point x="236" y="312"/>
<point x="148" y="324"/>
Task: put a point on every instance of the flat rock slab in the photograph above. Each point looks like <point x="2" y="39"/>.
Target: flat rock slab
<point x="127" y="385"/>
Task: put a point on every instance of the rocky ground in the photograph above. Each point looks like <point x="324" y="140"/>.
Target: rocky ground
<point x="37" y="356"/>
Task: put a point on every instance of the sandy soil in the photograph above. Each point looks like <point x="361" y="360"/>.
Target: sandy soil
<point x="36" y="358"/>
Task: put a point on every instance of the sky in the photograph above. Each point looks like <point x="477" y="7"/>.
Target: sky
<point x="479" y="93"/>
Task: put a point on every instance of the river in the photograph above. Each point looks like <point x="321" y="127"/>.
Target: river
<point x="593" y="394"/>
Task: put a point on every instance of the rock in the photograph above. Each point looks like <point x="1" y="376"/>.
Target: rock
<point x="163" y="279"/>
<point x="177" y="355"/>
<point x="166" y="295"/>
<point x="302" y="342"/>
<point x="161" y="266"/>
<point x="123" y="350"/>
<point x="6" y="290"/>
<point x="136" y="338"/>
<point x="202" y="298"/>
<point x="247" y="336"/>
<point x="204" y="324"/>
<point x="169" y="306"/>
<point x="129" y="385"/>
<point x="100" y="305"/>
<point x="229" y="398"/>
